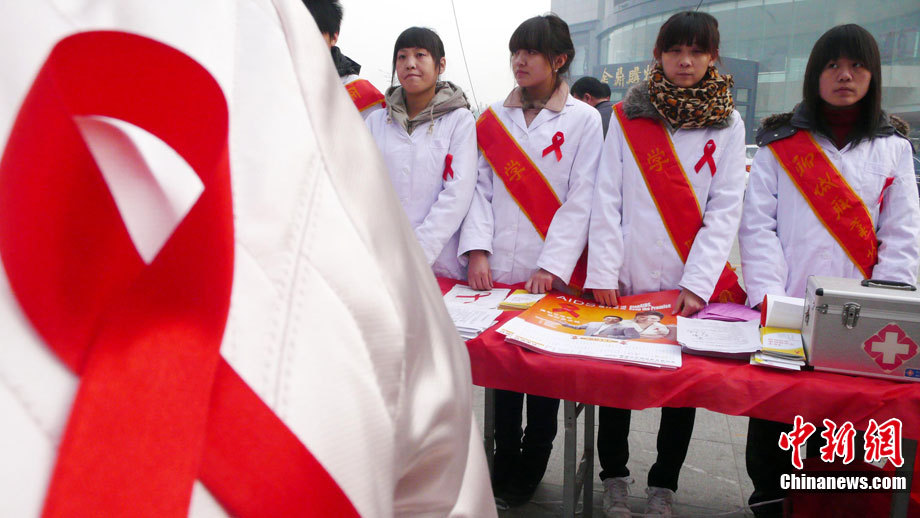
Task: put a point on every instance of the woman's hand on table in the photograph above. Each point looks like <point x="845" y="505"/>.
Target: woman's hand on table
<point x="687" y="303"/>
<point x="540" y="282"/>
<point x="607" y="297"/>
<point x="479" y="274"/>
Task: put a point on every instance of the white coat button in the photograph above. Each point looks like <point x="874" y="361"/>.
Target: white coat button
<point x="656" y="274"/>
<point x="660" y="242"/>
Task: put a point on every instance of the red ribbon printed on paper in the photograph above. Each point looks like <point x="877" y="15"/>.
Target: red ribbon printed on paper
<point x="556" y="146"/>
<point x="708" y="150"/>
<point x="672" y="193"/>
<point x="835" y="204"/>
<point x="448" y="172"/>
<point x="474" y="297"/>
<point x="157" y="407"/>
<point x="571" y="309"/>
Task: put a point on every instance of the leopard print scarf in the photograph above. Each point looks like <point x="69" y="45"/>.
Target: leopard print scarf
<point x="700" y="106"/>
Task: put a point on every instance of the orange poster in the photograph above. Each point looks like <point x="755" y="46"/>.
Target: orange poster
<point x="640" y="330"/>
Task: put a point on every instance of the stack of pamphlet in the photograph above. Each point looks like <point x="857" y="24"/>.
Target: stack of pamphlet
<point x="520" y="300"/>
<point x="718" y="338"/>
<point x="781" y="348"/>
<point x="473" y="311"/>
<point x="641" y="330"/>
<point x="781" y="333"/>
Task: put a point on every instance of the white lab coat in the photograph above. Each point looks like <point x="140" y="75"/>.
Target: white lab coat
<point x="435" y="206"/>
<point x="783" y="242"/>
<point x="497" y="225"/>
<point x="629" y="246"/>
<point x="367" y="111"/>
<point x="335" y="320"/>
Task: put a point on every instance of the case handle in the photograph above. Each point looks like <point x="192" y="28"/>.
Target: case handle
<point x="892" y="285"/>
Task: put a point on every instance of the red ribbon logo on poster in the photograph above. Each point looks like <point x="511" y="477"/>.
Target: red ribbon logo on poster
<point x="890" y="347"/>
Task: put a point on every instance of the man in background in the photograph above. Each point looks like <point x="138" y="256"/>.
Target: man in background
<point x="328" y="17"/>
<point x="597" y="94"/>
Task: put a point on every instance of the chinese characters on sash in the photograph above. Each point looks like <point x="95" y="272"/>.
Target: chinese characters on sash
<point x="833" y="201"/>
<point x="665" y="178"/>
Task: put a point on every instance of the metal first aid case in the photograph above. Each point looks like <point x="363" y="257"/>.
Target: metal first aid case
<point x="868" y="327"/>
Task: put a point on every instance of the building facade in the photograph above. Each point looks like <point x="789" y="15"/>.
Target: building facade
<point x="764" y="44"/>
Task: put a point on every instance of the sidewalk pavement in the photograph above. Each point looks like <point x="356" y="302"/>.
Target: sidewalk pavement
<point x="713" y="480"/>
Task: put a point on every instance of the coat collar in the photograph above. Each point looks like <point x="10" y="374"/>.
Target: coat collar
<point x="782" y="125"/>
<point x="553" y="107"/>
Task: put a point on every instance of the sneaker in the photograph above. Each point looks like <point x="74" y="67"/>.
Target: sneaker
<point x="616" y="491"/>
<point x="659" y="502"/>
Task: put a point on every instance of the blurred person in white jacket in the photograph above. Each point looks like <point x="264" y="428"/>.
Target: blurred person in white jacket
<point x="427" y="136"/>
<point x="666" y="209"/>
<point x="831" y="192"/>
<point x="375" y="383"/>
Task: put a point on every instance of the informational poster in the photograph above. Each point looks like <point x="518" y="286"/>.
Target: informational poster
<point x="641" y="330"/>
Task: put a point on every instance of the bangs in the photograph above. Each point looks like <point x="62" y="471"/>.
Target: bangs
<point x="419" y="37"/>
<point x="689" y="28"/>
<point x="531" y="35"/>
<point x="851" y="41"/>
<point x="856" y="43"/>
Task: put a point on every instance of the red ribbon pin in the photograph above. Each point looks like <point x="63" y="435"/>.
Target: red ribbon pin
<point x="881" y="196"/>
<point x="448" y="172"/>
<point x="558" y="140"/>
<point x="708" y="150"/>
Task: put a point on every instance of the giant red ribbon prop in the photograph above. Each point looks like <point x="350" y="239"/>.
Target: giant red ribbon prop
<point x="707" y="158"/>
<point x="157" y="407"/>
<point x="556" y="146"/>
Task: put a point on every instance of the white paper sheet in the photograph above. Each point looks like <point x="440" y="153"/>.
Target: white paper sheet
<point x="718" y="337"/>
<point x="464" y="296"/>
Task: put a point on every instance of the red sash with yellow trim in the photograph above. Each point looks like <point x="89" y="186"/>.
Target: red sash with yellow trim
<point x="837" y="206"/>
<point x="672" y="193"/>
<point x="363" y="94"/>
<point x="523" y="179"/>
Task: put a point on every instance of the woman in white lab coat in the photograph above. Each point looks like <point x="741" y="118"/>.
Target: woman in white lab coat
<point x="559" y="138"/>
<point x="427" y="136"/>
<point x="784" y="240"/>
<point x="630" y="248"/>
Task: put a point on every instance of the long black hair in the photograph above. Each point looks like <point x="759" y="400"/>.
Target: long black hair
<point x="547" y="34"/>
<point x="853" y="42"/>
<point x="423" y="38"/>
<point x="689" y="28"/>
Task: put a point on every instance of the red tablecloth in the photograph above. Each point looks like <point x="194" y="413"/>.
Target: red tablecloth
<point x="727" y="386"/>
